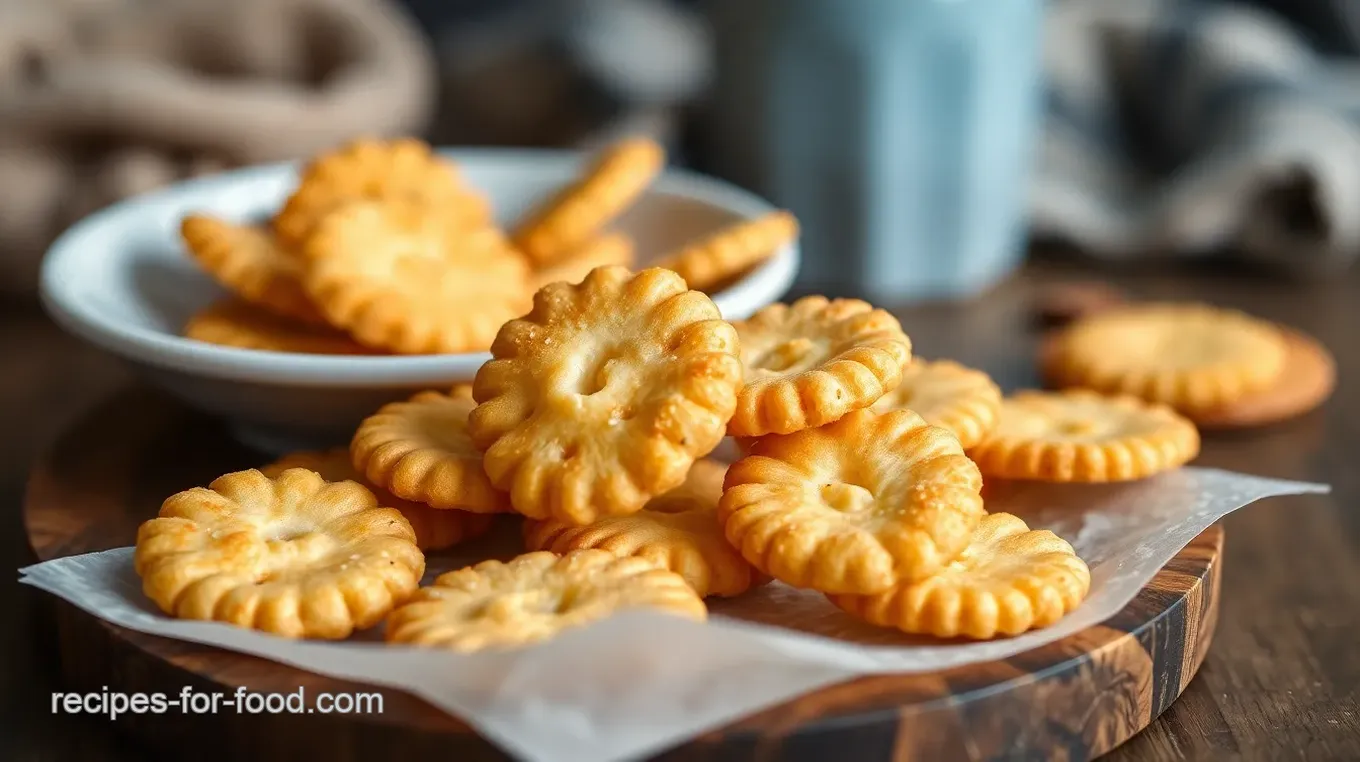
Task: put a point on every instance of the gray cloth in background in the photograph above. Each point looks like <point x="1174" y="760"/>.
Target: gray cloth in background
<point x="1187" y="128"/>
<point x="1333" y="24"/>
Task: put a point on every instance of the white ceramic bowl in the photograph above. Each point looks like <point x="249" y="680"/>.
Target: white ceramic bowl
<point x="121" y="280"/>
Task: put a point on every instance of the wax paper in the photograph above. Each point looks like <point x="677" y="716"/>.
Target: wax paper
<point x="640" y="682"/>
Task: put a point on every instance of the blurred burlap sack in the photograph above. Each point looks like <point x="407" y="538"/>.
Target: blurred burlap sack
<point x="103" y="99"/>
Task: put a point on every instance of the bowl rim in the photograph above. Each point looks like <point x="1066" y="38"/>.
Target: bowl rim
<point x="761" y="286"/>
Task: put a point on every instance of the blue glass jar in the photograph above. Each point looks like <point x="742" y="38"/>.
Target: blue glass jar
<point x="899" y="131"/>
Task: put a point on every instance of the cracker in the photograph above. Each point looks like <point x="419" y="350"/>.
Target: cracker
<point x="714" y="261"/>
<point x="809" y="363"/>
<point x="579" y="212"/>
<point x="678" y="530"/>
<point x="1081" y="436"/>
<point x="855" y="506"/>
<point x="535" y="597"/>
<point x="295" y="555"/>
<point x="604" y="395"/>
<point x="236" y="323"/>
<point x="1308" y="379"/>
<point x="399" y="276"/>
<point x="608" y="249"/>
<point x="434" y="529"/>
<point x="420" y="450"/>
<point x="1008" y="580"/>
<point x="373" y="170"/>
<point x="250" y="262"/>
<point x="1189" y="356"/>
<point x="948" y="395"/>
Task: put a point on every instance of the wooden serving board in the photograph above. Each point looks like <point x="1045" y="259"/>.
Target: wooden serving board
<point x="1074" y="699"/>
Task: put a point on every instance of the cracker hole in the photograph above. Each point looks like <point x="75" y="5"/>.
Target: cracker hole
<point x="597" y="378"/>
<point x="846" y="496"/>
<point x="289" y="533"/>
<point x="1076" y="428"/>
<point x="786" y="355"/>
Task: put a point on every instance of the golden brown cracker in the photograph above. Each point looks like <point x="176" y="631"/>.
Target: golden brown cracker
<point x="251" y="263"/>
<point x="375" y="170"/>
<point x="608" y="249"/>
<point x="294" y="555"/>
<point x="399" y="276"/>
<point x="434" y="529"/>
<point x="535" y="597"/>
<point x="236" y="323"/>
<point x="1082" y="436"/>
<point x="604" y="395"/>
<point x="715" y="260"/>
<point x="946" y="394"/>
<point x="811" y="362"/>
<point x="855" y="506"/>
<point x="1189" y="356"/>
<point x="420" y="450"/>
<point x="1308" y="379"/>
<point x="1008" y="580"/>
<point x="677" y="530"/>
<point x="579" y="212"/>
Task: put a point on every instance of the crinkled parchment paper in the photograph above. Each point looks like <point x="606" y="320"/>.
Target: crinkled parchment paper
<point x="640" y="682"/>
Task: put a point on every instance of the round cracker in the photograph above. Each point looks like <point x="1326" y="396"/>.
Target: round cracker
<point x="1079" y="435"/>
<point x="677" y="530"/>
<point x="605" y="394"/>
<point x="1189" y="356"/>
<point x="401" y="275"/>
<point x="293" y="555"/>
<point x="420" y="450"/>
<point x="434" y="529"/>
<point x="809" y="363"/>
<point x="1008" y="580"/>
<point x="252" y="263"/>
<point x="533" y="598"/>
<point x="1308" y="378"/>
<point x="946" y="394"/>
<point x="237" y="323"/>
<point x="856" y="506"/>
<point x="374" y="170"/>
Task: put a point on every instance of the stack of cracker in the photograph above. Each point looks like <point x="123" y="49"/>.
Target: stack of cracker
<point x="382" y="248"/>
<point x="862" y="468"/>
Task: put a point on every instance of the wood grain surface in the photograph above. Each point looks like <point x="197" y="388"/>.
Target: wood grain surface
<point x="1279" y="683"/>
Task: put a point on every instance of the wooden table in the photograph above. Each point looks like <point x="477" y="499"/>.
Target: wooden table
<point x="1282" y="678"/>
